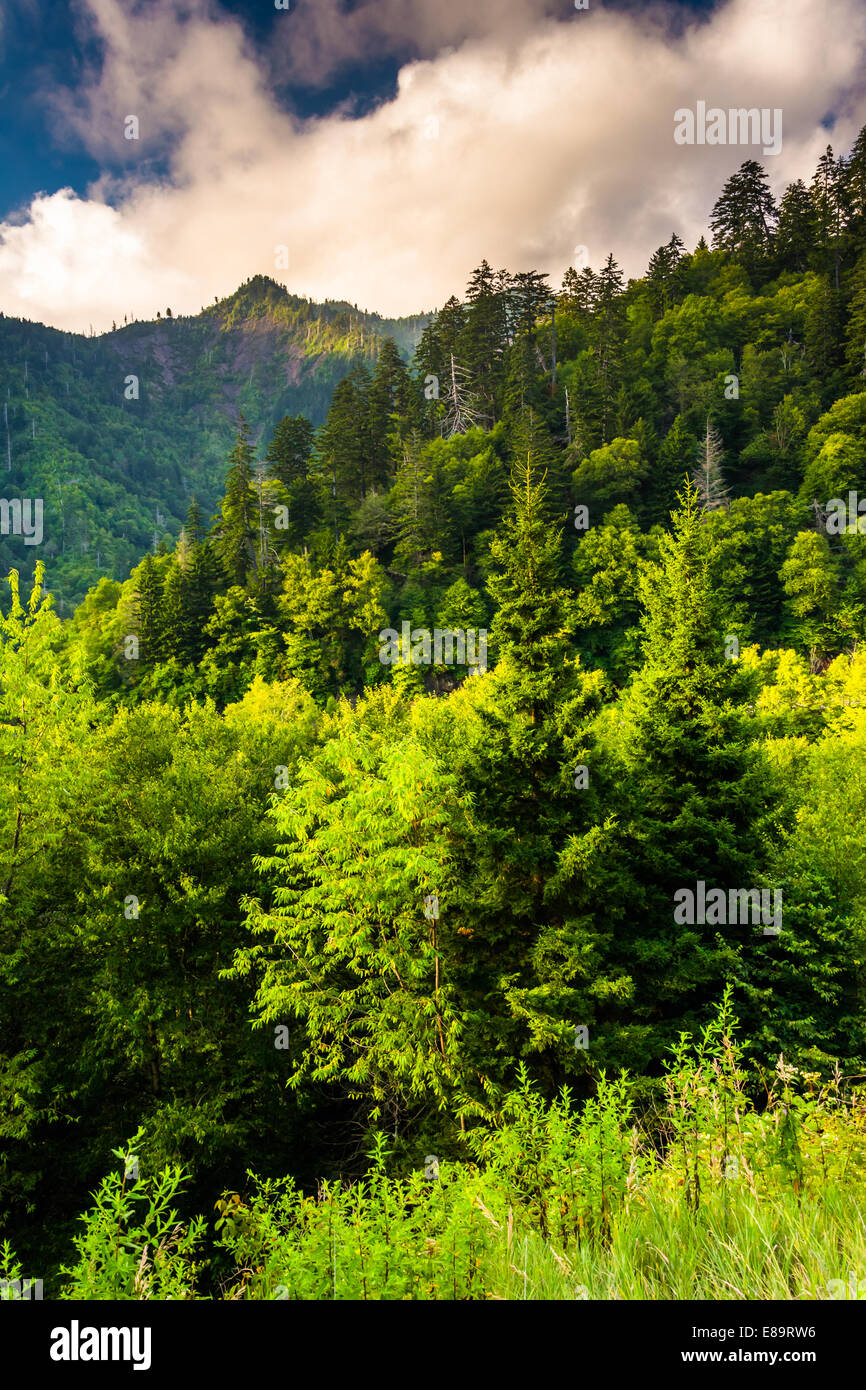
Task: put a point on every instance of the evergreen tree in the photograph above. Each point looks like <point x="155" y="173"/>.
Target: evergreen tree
<point x="828" y="200"/>
<point x="344" y="441"/>
<point x="529" y="722"/>
<point x="608" y="334"/>
<point x="855" y="186"/>
<point x="797" y="231"/>
<point x="149" y="612"/>
<point x="194" y="524"/>
<point x="578" y="292"/>
<point x="290" y="449"/>
<point x="450" y="326"/>
<point x="177" y="617"/>
<point x="662" y="276"/>
<point x="856" y="329"/>
<point x="744" y="215"/>
<point x="824" y="336"/>
<point x="695" y="802"/>
<point x="236" y="525"/>
<point x="485" y="335"/>
<point x="388" y="400"/>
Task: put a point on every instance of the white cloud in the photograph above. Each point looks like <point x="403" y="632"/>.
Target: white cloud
<point x="550" y="135"/>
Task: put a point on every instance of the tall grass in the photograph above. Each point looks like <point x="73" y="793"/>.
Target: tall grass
<point x="704" y="1195"/>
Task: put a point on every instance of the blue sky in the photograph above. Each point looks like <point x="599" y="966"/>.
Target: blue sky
<point x="376" y="150"/>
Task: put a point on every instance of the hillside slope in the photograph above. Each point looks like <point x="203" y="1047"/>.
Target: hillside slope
<point x="115" y="473"/>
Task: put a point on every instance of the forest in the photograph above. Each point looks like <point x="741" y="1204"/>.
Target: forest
<point x="326" y="975"/>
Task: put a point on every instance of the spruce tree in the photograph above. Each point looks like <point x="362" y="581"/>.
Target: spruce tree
<point x="662" y="276"/>
<point x="344" y="445"/>
<point x="856" y="329"/>
<point x="178" y="621"/>
<point x="388" y="398"/>
<point x="290" y="448"/>
<point x="828" y="193"/>
<point x="529" y="723"/>
<point x="694" y="802"/>
<point x="855" y="186"/>
<point x="744" y="215"/>
<point x="607" y="335"/>
<point x="797" y="231"/>
<point x="485" y="335"/>
<point x="149" y="612"/>
<point x="236" y="526"/>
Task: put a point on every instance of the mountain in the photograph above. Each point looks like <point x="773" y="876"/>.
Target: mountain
<point x="115" y="433"/>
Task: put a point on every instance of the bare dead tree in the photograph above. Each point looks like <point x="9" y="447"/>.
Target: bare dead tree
<point x="707" y="476"/>
<point x="461" y="409"/>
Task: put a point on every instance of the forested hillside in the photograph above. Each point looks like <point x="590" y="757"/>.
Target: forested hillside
<point x="116" y="433"/>
<point x="285" y="890"/>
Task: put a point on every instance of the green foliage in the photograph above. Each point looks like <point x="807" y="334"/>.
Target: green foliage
<point x="263" y="892"/>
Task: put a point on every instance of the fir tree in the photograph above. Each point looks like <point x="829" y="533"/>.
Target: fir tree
<point x="235" y="531"/>
<point x="695" y="801"/>
<point x="608" y="333"/>
<point x="744" y="215"/>
<point x="149" y="612"/>
<point x="290" y="449"/>
<point x="662" y="276"/>
<point x="388" y="399"/>
<point x="828" y="200"/>
<point x="344" y="441"/>
<point x="797" y="231"/>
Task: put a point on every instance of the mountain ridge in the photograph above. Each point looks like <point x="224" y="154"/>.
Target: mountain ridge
<point x="116" y="432"/>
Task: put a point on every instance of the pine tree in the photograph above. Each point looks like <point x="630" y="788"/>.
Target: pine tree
<point x="662" y="276"/>
<point x="578" y="292"/>
<point x="824" y="336"/>
<point x="344" y="441"/>
<point x="855" y="185"/>
<point x="450" y="325"/>
<point x="289" y="451"/>
<point x="177" y="617"/>
<point x="205" y="579"/>
<point x="530" y="443"/>
<point x="418" y="502"/>
<point x="694" y="802"/>
<point x="149" y="612"/>
<point x="797" y="230"/>
<point x="828" y="194"/>
<point x="485" y="335"/>
<point x="744" y="215"/>
<point x="531" y="718"/>
<point x="530" y="627"/>
<point x="194" y="523"/>
<point x="235" y="532"/>
<point x="608" y="332"/>
<point x="388" y="399"/>
<point x="856" y="329"/>
<point x="430" y="373"/>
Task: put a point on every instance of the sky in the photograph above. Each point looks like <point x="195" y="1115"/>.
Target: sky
<point x="377" y="150"/>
